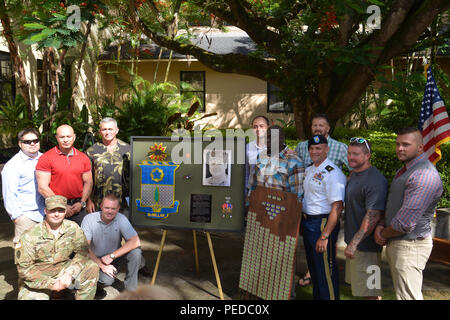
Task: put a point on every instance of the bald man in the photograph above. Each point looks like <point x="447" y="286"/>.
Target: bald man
<point x="66" y="171"/>
<point x="406" y="228"/>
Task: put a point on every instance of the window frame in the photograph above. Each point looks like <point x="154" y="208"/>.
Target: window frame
<point x="203" y="92"/>
<point x="4" y="56"/>
<point x="271" y="89"/>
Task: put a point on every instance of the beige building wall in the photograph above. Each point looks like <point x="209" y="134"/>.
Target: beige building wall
<point x="237" y="99"/>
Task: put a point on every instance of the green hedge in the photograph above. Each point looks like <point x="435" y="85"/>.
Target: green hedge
<point x="385" y="159"/>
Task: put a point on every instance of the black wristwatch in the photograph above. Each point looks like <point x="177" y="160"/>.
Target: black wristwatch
<point x="83" y="204"/>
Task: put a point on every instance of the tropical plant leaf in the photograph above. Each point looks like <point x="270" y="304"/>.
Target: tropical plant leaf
<point x="32" y="26"/>
<point x="193" y="108"/>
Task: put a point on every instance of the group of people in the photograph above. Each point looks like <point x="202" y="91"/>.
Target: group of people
<point x="374" y="214"/>
<point x="65" y="205"/>
<point x="69" y="233"/>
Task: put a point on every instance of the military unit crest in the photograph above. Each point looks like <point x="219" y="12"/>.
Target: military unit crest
<point x="157" y="185"/>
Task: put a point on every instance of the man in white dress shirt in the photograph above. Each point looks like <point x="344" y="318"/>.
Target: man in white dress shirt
<point x="23" y="203"/>
<point x="324" y="194"/>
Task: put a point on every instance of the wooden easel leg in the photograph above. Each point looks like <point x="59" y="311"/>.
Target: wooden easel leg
<point x="163" y="239"/>
<point x="195" y="251"/>
<point x="216" y="272"/>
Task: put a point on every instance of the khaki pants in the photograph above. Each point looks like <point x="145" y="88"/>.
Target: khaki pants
<point x="407" y="260"/>
<point x="21" y="225"/>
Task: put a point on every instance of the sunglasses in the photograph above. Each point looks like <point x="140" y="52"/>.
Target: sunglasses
<point x="35" y="141"/>
<point x="360" y="140"/>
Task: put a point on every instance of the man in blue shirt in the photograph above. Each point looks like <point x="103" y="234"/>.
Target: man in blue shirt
<point x="104" y="231"/>
<point x="23" y="203"/>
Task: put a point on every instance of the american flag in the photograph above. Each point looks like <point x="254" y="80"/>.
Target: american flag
<point x="433" y="121"/>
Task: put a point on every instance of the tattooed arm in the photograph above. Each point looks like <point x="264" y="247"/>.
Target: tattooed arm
<point x="368" y="224"/>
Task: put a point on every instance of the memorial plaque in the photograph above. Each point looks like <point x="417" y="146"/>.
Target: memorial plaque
<point x="167" y="189"/>
<point x="200" y="208"/>
<point x="267" y="269"/>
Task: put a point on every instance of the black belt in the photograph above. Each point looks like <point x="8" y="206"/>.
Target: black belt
<point x="73" y="201"/>
<point x="315" y="216"/>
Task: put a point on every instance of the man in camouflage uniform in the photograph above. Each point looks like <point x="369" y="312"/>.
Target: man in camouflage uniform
<point x="110" y="164"/>
<point x="53" y="256"/>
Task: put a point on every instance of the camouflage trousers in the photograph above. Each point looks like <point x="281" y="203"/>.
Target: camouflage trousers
<point x="84" y="284"/>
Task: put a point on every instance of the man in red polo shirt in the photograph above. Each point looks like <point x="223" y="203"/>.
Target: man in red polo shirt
<point x="66" y="171"/>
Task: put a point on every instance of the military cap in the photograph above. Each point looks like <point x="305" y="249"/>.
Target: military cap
<point x="53" y="202"/>
<point x="317" y="140"/>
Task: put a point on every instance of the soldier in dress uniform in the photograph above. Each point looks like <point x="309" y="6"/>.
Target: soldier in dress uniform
<point x="53" y="256"/>
<point x="324" y="187"/>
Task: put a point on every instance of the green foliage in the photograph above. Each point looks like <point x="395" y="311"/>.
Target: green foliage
<point x="405" y="94"/>
<point x="13" y="118"/>
<point x="397" y="102"/>
<point x="149" y="107"/>
<point x="50" y="24"/>
<point x="443" y="166"/>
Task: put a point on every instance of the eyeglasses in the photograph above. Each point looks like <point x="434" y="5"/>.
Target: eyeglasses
<point x="360" y="140"/>
<point x="35" y="141"/>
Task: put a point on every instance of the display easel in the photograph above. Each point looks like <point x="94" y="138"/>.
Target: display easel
<point x="211" y="250"/>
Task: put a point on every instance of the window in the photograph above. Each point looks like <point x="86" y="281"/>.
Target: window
<point x="274" y="101"/>
<point x="7" y="82"/>
<point x="196" y="85"/>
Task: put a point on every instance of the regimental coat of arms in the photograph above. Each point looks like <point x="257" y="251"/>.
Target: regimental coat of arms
<point x="157" y="185"/>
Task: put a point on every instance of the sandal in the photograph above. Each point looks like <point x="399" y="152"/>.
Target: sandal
<point x="304" y="282"/>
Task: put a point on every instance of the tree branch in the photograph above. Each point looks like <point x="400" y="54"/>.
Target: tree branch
<point x="264" y="37"/>
<point x="228" y="63"/>
<point x="400" y="31"/>
<point x="412" y="28"/>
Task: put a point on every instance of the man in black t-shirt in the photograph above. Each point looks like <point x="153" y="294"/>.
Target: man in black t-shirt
<point x="365" y="199"/>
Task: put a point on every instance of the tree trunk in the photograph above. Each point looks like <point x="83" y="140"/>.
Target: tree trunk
<point x="298" y="117"/>
<point x="53" y="80"/>
<point x="75" y="88"/>
<point x="44" y="103"/>
<point x="19" y="69"/>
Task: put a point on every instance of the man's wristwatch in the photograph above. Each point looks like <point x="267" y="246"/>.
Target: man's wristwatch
<point x="112" y="256"/>
<point x="83" y="204"/>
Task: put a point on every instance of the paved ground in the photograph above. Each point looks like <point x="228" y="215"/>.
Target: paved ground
<point x="177" y="268"/>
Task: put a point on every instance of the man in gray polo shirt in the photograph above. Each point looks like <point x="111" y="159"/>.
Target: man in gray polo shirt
<point x="104" y="231"/>
<point x="365" y="198"/>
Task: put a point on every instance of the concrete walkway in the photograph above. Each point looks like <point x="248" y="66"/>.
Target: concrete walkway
<point x="177" y="268"/>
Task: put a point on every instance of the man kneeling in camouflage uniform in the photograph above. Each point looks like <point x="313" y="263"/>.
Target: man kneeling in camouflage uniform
<point x="53" y="256"/>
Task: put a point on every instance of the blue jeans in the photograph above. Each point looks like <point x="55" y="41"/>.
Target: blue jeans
<point x="322" y="266"/>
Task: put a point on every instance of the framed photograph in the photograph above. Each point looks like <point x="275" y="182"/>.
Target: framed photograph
<point x="217" y="167"/>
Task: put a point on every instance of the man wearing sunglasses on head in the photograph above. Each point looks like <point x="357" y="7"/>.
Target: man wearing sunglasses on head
<point x="23" y="203"/>
<point x="365" y="198"/>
